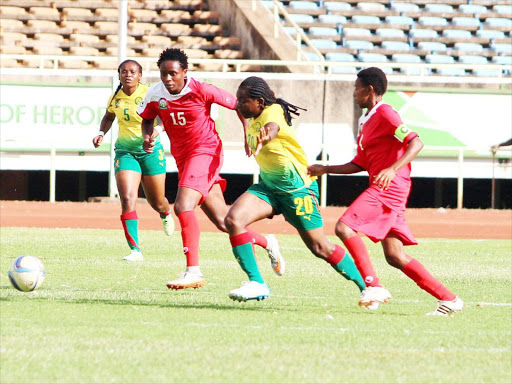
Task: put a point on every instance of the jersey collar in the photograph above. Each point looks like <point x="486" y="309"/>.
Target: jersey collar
<point x="364" y="118"/>
<point x="186" y="89"/>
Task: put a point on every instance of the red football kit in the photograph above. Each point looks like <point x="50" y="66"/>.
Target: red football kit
<point x="195" y="144"/>
<point x="381" y="141"/>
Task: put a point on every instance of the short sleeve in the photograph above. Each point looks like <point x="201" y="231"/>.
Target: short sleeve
<point x="218" y="95"/>
<point x="146" y="109"/>
<point x="359" y="161"/>
<point x="110" y="105"/>
<point x="396" y="126"/>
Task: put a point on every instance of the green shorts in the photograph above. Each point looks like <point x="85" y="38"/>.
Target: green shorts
<point x="300" y="208"/>
<point x="147" y="164"/>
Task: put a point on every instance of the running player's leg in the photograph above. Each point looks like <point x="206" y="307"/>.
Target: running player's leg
<point x="412" y="268"/>
<point x="336" y="256"/>
<point x="247" y="209"/>
<point x="154" y="189"/>
<point x="128" y="182"/>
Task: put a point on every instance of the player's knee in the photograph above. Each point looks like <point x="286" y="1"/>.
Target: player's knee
<point x="231" y="222"/>
<point x="342" y="230"/>
<point x="160" y="205"/>
<point x="395" y="258"/>
<point x="319" y="249"/>
<point x="128" y="201"/>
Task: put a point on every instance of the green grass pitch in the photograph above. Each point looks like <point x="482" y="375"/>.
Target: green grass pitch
<point x="97" y="319"/>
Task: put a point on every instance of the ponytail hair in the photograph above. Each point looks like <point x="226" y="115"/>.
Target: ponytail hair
<point x="258" y="88"/>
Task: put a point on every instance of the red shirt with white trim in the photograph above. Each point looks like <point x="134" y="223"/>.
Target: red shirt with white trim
<point x="381" y="141"/>
<point x="186" y="116"/>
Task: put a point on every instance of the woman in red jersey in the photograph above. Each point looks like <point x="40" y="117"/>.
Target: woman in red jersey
<point x="385" y="149"/>
<point x="183" y="104"/>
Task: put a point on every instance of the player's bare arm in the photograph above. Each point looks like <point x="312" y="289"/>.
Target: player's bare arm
<point x="342" y="169"/>
<point x="105" y="125"/>
<point x="244" y="122"/>
<point x="384" y="177"/>
<point x="266" y="134"/>
<point x="147" y="135"/>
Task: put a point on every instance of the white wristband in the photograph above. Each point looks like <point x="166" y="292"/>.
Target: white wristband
<point x="101" y="133"/>
<point x="158" y="128"/>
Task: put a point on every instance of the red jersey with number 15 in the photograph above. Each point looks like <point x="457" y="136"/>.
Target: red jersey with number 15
<point x="186" y="116"/>
<point x="382" y="139"/>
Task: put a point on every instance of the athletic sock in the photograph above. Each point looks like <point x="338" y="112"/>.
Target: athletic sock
<point x="257" y="238"/>
<point x="344" y="265"/>
<point x="196" y="270"/>
<point x="244" y="254"/>
<point x="417" y="272"/>
<point x="163" y="215"/>
<point x="357" y="249"/>
<point x="190" y="233"/>
<point x="130" y="223"/>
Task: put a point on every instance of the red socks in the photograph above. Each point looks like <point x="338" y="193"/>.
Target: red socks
<point x="257" y="238"/>
<point x="417" y="272"/>
<point x="190" y="235"/>
<point x="357" y="249"/>
<point x="336" y="256"/>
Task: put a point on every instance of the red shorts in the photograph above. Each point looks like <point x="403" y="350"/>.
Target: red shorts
<point x="201" y="172"/>
<point x="376" y="220"/>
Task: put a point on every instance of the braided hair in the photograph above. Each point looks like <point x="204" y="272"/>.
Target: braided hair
<point x="258" y="88"/>
<point x="173" y="54"/>
<point x="119" y="72"/>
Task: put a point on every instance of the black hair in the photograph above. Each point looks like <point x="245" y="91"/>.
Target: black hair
<point x="174" y="54"/>
<point x="119" y="72"/>
<point x="376" y="78"/>
<point x="257" y="87"/>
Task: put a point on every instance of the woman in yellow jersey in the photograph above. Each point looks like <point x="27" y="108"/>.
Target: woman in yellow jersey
<point x="132" y="164"/>
<point x="285" y="188"/>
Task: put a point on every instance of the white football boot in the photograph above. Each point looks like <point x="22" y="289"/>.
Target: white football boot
<point x="250" y="290"/>
<point x="372" y="295"/>
<point x="447" y="308"/>
<point x="168" y="224"/>
<point x="276" y="260"/>
<point x="134" y="256"/>
<point x="187" y="280"/>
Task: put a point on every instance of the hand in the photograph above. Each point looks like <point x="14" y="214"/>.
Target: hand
<point x="316" y="170"/>
<point x="384" y="178"/>
<point x="262" y="139"/>
<point x="495" y="148"/>
<point x="154" y="135"/>
<point x="248" y="150"/>
<point x="148" y="143"/>
<point x="97" y="141"/>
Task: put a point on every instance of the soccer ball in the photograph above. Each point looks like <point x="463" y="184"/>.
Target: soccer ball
<point x="26" y="273"/>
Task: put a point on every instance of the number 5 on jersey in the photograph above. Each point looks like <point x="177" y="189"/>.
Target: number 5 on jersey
<point x="178" y="118"/>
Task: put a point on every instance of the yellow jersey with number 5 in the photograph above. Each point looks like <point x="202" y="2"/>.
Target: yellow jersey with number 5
<point x="283" y="163"/>
<point x="125" y="108"/>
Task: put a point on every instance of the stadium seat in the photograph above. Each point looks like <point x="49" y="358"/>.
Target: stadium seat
<point x="49" y="37"/>
<point x="466" y="22"/>
<point x="367" y="57"/>
<point x="359" y="44"/>
<point x="114" y="39"/>
<point x="438" y="8"/>
<point x="356" y="32"/>
<point x="175" y="15"/>
<point x="432" y="46"/>
<point x="323" y="31"/>
<point x="107" y="12"/>
<point x="332" y="19"/>
<point x="210" y="17"/>
<point x="490" y="34"/>
<point x="484" y="72"/>
<point x="142" y="27"/>
<point x="12" y="37"/>
<point x="83" y="51"/>
<point x="109" y="27"/>
<point x="432" y="21"/>
<point x="456" y="34"/>
<point x="423" y="33"/>
<point x="469" y="47"/>
<point x="45" y="12"/>
<point x="110" y="65"/>
<point x="323" y="44"/>
<point x="370" y="7"/>
<point x="405" y="7"/>
<point x="136" y="14"/>
<point x="390" y="32"/>
<point x="178" y="29"/>
<point x="439" y="59"/>
<point x="499" y="22"/>
<point x="405" y="58"/>
<point x="41" y="24"/>
<point x="469" y="59"/>
<point x="196" y="40"/>
<point x="503" y="9"/>
<point x="399" y="20"/>
<point x="73" y="64"/>
<point x="337" y="6"/>
<point x="312" y="56"/>
<point x="501" y="48"/>
<point x="476" y="9"/>
<point x="75" y="25"/>
<point x="157" y="41"/>
<point x="343" y="70"/>
<point x="365" y="19"/>
<point x="395" y="45"/>
<point x="339" y="56"/>
<point x="301" y="18"/>
<point x="12" y="49"/>
<point x="309" y="5"/>
<point x="76" y="13"/>
<point x="34" y="62"/>
<point x="12" y="24"/>
<point x="84" y="39"/>
<point x="228" y="54"/>
<point x="113" y="51"/>
<point x="502" y="60"/>
<point x="12" y="11"/>
<point x="451" y="72"/>
<point x="151" y="52"/>
<point x="44" y="50"/>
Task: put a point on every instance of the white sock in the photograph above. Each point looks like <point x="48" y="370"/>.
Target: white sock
<point x="195" y="270"/>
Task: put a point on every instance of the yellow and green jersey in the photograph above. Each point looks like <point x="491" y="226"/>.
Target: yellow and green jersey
<point x="283" y="163"/>
<point x="125" y="109"/>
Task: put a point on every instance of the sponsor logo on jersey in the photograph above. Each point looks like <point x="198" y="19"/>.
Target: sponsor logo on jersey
<point x="162" y="104"/>
<point x="138" y="100"/>
<point x="117" y="103"/>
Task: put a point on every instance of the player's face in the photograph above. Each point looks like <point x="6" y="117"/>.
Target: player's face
<point x="173" y="76"/>
<point x="248" y="106"/>
<point x="361" y="94"/>
<point x="129" y="75"/>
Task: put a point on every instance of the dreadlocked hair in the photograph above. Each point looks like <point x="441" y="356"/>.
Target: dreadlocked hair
<point x="258" y="88"/>
<point x="174" y="54"/>
<point x="119" y="72"/>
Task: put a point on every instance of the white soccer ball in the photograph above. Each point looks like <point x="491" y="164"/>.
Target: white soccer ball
<point x="26" y="273"/>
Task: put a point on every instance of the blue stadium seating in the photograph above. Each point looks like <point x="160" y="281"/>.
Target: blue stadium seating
<point x="356" y="32"/>
<point x="432" y="21"/>
<point x="404" y="7"/>
<point x="309" y="5"/>
<point x="313" y="56"/>
<point x="405" y="58"/>
<point x="451" y="72"/>
<point x="490" y="34"/>
<point x="469" y="47"/>
<point x="469" y="59"/>
<point x="439" y="59"/>
<point x="339" y="56"/>
<point x="395" y="45"/>
<point x="399" y="20"/>
<point x="364" y="19"/>
<point x="323" y="31"/>
<point x="503" y="9"/>
<point x="334" y="19"/>
<point x="457" y="34"/>
<point x="300" y="18"/>
<point x="499" y="22"/>
<point x="337" y="6"/>
<point x="476" y="9"/>
<point x="359" y="44"/>
<point x="501" y="48"/>
<point x="438" y="8"/>
<point x="389" y="32"/>
<point x="466" y="22"/>
<point x="323" y="44"/>
<point x="487" y="72"/>
<point x="423" y="33"/>
<point x="432" y="46"/>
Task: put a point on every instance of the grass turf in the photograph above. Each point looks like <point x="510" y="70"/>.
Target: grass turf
<point x="97" y="319"/>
